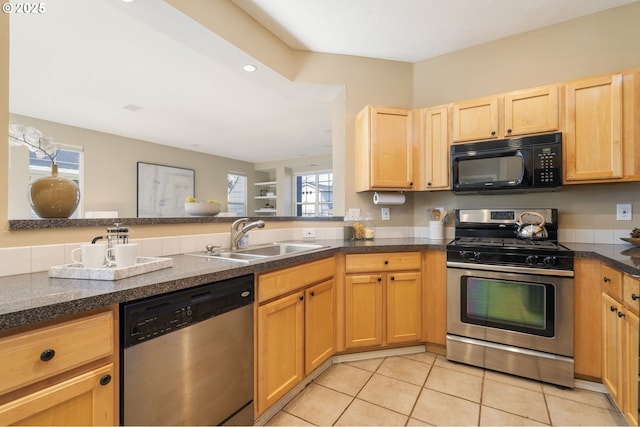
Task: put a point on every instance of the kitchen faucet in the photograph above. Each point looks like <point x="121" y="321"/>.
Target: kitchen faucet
<point x="240" y="227"/>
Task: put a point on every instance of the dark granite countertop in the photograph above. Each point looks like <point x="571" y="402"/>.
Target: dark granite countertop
<point x="624" y="257"/>
<point x="29" y="298"/>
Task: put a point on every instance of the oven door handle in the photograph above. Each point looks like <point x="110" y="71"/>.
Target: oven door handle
<point x="511" y="269"/>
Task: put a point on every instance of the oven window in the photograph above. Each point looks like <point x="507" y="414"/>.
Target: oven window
<point x="508" y="169"/>
<point x="508" y="304"/>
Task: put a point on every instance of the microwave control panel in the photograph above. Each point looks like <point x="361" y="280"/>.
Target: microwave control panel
<point x="547" y="166"/>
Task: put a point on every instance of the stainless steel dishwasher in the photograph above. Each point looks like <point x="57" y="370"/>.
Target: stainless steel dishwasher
<point x="187" y="356"/>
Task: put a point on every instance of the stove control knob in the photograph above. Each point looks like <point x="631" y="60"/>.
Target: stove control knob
<point x="476" y="256"/>
<point x="464" y="254"/>
<point x="531" y="260"/>
<point x="550" y="260"/>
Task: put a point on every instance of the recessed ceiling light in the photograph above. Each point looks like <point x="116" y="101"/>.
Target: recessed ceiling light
<point x="249" y="68"/>
<point x="128" y="1"/>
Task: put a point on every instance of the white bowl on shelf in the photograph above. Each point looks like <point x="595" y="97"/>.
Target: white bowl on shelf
<point x="202" y="208"/>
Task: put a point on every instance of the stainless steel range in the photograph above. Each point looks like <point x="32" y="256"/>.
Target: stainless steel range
<point x="510" y="299"/>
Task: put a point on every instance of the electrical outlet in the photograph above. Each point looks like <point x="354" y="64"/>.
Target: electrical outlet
<point x="623" y="212"/>
<point x="386" y="216"/>
<point x="308" y="233"/>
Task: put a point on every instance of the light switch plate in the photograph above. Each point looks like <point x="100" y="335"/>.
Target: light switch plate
<point x="623" y="212"/>
<point x="386" y="216"/>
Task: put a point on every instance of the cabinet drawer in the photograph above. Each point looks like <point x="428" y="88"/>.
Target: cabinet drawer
<point x="612" y="281"/>
<point x="363" y="263"/>
<point x="631" y="293"/>
<point x="280" y="282"/>
<point x="44" y="352"/>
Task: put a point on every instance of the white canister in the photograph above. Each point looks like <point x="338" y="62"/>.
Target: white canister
<point x="436" y="230"/>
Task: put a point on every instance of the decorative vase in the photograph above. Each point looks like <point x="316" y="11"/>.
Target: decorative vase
<point x="54" y="196"/>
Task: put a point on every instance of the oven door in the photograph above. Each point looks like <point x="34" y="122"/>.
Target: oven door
<point x="523" y="307"/>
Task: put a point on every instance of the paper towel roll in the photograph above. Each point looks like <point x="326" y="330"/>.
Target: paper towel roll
<point x="388" y="198"/>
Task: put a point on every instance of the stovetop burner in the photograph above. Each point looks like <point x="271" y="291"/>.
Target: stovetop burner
<point x="508" y="243"/>
<point x="487" y="236"/>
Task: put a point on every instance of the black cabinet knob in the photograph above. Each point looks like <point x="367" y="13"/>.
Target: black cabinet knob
<point x="379" y="279"/>
<point x="634" y="297"/>
<point x="301" y="297"/>
<point x="612" y="308"/>
<point x="386" y="262"/>
<point x="313" y="294"/>
<point x="411" y="184"/>
<point x="393" y="278"/>
<point x="47" y="355"/>
<point x="493" y="132"/>
<point x="105" y="379"/>
<point x="606" y="279"/>
<point x="508" y="130"/>
<point x="620" y="314"/>
<point x="428" y="184"/>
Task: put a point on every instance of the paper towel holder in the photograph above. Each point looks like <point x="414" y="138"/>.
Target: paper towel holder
<point x="389" y="198"/>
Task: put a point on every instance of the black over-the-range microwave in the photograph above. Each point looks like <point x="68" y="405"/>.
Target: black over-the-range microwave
<point x="531" y="163"/>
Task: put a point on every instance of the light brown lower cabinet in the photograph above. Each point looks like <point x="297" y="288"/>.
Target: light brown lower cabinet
<point x="383" y="299"/>
<point x="82" y="400"/>
<point x="62" y="372"/>
<point x="295" y="331"/>
<point x="620" y="352"/>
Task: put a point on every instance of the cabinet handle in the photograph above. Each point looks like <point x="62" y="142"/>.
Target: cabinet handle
<point x="428" y="184"/>
<point x="106" y="379"/>
<point x="47" y="354"/>
<point x="393" y="278"/>
<point x="620" y="314"/>
<point x="606" y="279"/>
<point x="634" y="297"/>
<point x="379" y="279"/>
<point x="313" y="294"/>
<point x="301" y="297"/>
<point x="411" y="184"/>
<point x="508" y="130"/>
<point x="612" y="308"/>
<point x="493" y="132"/>
<point x="386" y="262"/>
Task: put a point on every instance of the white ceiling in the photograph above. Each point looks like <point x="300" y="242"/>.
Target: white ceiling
<point x="81" y="62"/>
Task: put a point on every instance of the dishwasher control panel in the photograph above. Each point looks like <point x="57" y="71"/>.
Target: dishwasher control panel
<point x="147" y="319"/>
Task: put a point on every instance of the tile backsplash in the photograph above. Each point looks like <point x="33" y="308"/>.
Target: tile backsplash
<point x="31" y="259"/>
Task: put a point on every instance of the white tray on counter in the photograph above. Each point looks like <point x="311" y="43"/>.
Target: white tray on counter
<point x="77" y="271"/>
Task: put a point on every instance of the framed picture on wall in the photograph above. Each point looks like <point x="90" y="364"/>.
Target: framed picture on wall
<point x="162" y="190"/>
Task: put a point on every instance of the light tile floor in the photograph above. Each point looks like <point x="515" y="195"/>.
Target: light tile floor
<point x="426" y="389"/>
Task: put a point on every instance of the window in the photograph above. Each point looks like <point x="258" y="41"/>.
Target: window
<point x="314" y="194"/>
<point x="237" y="194"/>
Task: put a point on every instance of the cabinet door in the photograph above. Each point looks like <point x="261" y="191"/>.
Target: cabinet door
<point x="280" y="348"/>
<point x="475" y="119"/>
<point x="587" y="319"/>
<point x="384" y="149"/>
<point x="435" y="297"/>
<point x="531" y="111"/>
<point x="81" y="400"/>
<point x="630" y="382"/>
<point x="436" y="148"/>
<point x="593" y="137"/>
<point x="319" y="324"/>
<point x="363" y="310"/>
<point x="404" y="313"/>
<point x="612" y="347"/>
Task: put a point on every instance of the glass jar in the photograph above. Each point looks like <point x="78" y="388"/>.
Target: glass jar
<point x="348" y="229"/>
<point x="369" y="228"/>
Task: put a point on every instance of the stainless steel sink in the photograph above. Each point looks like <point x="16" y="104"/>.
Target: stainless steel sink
<point x="262" y="252"/>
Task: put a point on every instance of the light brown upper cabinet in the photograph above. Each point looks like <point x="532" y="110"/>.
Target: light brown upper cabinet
<point x="475" y="119"/>
<point x="521" y="112"/>
<point x="434" y="161"/>
<point x="601" y="128"/>
<point x="384" y="149"/>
